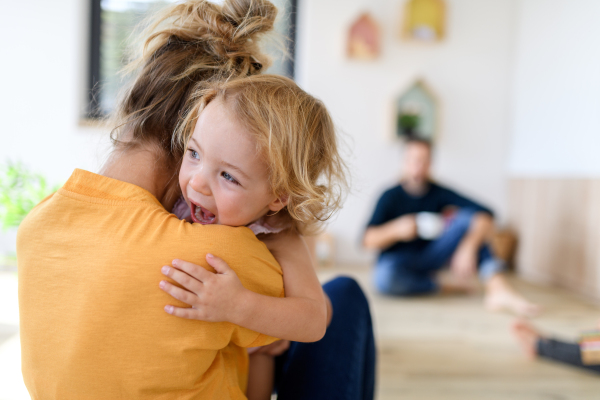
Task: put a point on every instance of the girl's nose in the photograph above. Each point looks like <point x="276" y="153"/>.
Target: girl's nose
<point x="200" y="184"/>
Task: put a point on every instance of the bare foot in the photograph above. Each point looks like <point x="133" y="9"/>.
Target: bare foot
<point x="501" y="297"/>
<point x="527" y="336"/>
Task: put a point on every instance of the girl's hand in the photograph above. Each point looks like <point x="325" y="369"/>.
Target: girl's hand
<point x="213" y="297"/>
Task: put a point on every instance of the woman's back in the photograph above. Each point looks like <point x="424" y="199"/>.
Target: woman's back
<point x="92" y="319"/>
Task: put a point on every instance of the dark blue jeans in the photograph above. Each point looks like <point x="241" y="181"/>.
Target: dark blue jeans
<point x="413" y="272"/>
<point x="563" y="352"/>
<point x="342" y="364"/>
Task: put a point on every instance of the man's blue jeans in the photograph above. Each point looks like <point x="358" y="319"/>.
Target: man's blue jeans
<point x="414" y="273"/>
<point x="342" y="364"/>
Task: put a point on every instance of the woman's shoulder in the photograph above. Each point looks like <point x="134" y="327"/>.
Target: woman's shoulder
<point x="238" y="246"/>
<point x="193" y="232"/>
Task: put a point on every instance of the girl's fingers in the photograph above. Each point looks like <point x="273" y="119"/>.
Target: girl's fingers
<point x="218" y="264"/>
<point x="193" y="270"/>
<point x="187" y="313"/>
<point x="190" y="283"/>
<point x="178" y="293"/>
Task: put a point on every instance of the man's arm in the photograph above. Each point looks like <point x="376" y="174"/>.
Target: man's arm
<point x="401" y="229"/>
<point x="386" y="227"/>
<point x="452" y="198"/>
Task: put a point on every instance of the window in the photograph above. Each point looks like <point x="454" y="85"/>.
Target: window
<point x="285" y="25"/>
<point x="113" y="21"/>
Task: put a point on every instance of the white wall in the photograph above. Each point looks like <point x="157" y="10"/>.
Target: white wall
<point x="43" y="94"/>
<point x="42" y="78"/>
<point x="470" y="71"/>
<point x="556" y="102"/>
<point x="44" y="46"/>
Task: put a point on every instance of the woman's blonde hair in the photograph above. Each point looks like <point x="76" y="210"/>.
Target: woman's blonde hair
<point x="294" y="133"/>
<point x="195" y="41"/>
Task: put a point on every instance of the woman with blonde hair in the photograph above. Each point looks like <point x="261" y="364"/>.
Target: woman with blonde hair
<point x="92" y="324"/>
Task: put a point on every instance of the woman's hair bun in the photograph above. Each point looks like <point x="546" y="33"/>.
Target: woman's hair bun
<point x="250" y="16"/>
<point x="227" y="33"/>
<point x="185" y="45"/>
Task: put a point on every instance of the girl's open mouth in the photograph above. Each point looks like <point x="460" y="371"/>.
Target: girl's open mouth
<point x="202" y="216"/>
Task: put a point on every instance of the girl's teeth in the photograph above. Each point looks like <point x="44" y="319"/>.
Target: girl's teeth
<point x="202" y="215"/>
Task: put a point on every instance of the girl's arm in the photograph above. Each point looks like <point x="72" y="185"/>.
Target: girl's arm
<point x="301" y="316"/>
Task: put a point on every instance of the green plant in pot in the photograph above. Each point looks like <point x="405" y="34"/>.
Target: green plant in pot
<point x="408" y="124"/>
<point x="20" y="191"/>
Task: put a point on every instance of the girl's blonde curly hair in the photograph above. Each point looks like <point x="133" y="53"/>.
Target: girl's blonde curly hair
<point x="294" y="133"/>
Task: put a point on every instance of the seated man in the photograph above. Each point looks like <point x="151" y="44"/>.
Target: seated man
<point x="419" y="227"/>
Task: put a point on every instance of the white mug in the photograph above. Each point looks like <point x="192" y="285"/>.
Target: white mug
<point x="429" y="225"/>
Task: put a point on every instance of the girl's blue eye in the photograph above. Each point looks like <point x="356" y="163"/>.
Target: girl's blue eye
<point x="194" y="154"/>
<point x="229" y="177"/>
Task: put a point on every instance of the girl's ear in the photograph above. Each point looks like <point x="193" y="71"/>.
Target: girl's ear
<point x="279" y="203"/>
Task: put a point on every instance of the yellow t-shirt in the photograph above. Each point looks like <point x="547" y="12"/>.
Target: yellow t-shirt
<point x="92" y="319"/>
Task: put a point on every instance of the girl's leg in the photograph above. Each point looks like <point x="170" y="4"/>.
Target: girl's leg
<point x="563" y="352"/>
<point x="534" y="344"/>
<point x="342" y="364"/>
<point x="260" y="377"/>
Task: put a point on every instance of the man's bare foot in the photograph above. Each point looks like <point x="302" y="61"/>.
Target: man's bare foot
<point x="500" y="296"/>
<point x="527" y="336"/>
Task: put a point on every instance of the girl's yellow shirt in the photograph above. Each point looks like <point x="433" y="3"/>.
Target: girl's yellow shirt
<point x="92" y="319"/>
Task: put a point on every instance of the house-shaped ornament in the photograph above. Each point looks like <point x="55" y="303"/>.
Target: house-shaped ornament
<point x="424" y="20"/>
<point x="416" y="112"/>
<point x="364" y="40"/>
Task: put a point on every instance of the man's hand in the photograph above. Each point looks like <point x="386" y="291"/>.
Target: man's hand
<point x="212" y="296"/>
<point x="464" y="261"/>
<point x="401" y="229"/>
<point x="405" y="227"/>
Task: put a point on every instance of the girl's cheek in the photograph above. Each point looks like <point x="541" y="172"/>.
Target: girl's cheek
<point x="231" y="207"/>
<point x="184" y="175"/>
<point x="182" y="181"/>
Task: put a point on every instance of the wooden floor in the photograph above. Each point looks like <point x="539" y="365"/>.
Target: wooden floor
<point x="432" y="348"/>
<point x="450" y="348"/>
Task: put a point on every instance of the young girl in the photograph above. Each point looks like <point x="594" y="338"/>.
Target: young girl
<point x="261" y="153"/>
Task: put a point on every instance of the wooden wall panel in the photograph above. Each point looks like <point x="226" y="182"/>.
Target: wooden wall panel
<point x="558" y="226"/>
